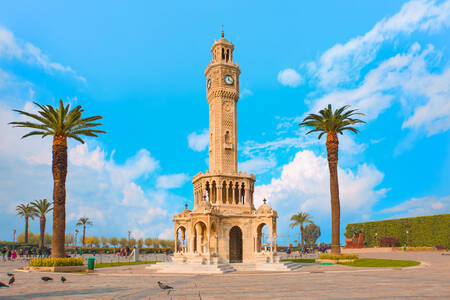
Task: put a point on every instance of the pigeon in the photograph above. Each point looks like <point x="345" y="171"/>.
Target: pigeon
<point x="10" y="274"/>
<point x="63" y="279"/>
<point x="11" y="280"/>
<point x="45" y="278"/>
<point x="3" y="285"/>
<point x="164" y="286"/>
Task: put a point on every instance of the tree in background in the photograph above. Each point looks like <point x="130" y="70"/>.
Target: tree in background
<point x="148" y="242"/>
<point x="113" y="241"/>
<point x="84" y="222"/>
<point x="88" y="241"/>
<point x="312" y="233"/>
<point x="104" y="241"/>
<point x="41" y="208"/>
<point x="95" y="241"/>
<point x="123" y="242"/>
<point x="26" y="211"/>
<point x="300" y="219"/>
<point x="331" y="123"/>
<point x="140" y="243"/>
<point x="60" y="123"/>
<point x="156" y="242"/>
<point x="70" y="238"/>
<point x="132" y="242"/>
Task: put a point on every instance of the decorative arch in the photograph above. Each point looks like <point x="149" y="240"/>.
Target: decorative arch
<point x="261" y="242"/>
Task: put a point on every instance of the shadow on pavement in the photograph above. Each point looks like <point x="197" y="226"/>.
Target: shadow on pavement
<point x="54" y="294"/>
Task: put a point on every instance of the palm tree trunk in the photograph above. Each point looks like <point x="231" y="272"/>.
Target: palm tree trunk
<point x="42" y="227"/>
<point x="59" y="169"/>
<point x="26" y="230"/>
<point x="332" y="149"/>
<point x="84" y="234"/>
<point x="301" y="233"/>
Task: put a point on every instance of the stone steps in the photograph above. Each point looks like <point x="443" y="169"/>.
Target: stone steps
<point x="284" y="266"/>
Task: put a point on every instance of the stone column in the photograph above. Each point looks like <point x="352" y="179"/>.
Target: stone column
<point x="219" y="196"/>
<point x="176" y="241"/>
<point x="275" y="243"/>
<point x="208" y="246"/>
<point x="198" y="231"/>
<point x="239" y="194"/>
<point x="183" y="236"/>
<point x="217" y="243"/>
<point x="233" y="189"/>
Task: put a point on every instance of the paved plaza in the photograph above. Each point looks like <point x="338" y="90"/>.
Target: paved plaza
<point x="430" y="280"/>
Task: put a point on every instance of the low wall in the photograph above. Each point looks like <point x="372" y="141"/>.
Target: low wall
<point x="366" y="250"/>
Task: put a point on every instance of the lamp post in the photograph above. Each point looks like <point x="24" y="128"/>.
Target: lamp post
<point x="14" y="235"/>
<point x="129" y="233"/>
<point x="407" y="238"/>
<point x="76" y="235"/>
<point x="376" y="239"/>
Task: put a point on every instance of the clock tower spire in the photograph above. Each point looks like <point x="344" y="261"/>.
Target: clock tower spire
<point x="222" y="93"/>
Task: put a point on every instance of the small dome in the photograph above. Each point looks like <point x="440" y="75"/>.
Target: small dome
<point x="185" y="211"/>
<point x="265" y="208"/>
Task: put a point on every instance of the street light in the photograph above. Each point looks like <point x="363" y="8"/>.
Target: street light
<point x="407" y="238"/>
<point x="376" y="239"/>
<point x="76" y="235"/>
<point x="14" y="235"/>
<point x="129" y="233"/>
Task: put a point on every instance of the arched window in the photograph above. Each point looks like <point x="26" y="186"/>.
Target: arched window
<point x="223" y="53"/>
<point x="228" y="55"/>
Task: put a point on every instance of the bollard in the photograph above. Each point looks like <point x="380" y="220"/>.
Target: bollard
<point x="91" y="263"/>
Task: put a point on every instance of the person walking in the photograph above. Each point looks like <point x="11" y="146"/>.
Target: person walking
<point x="4" y="254"/>
<point x="14" y="255"/>
<point x="9" y="254"/>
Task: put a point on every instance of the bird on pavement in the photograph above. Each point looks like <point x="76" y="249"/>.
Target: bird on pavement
<point x="45" y="278"/>
<point x="164" y="286"/>
<point x="63" y="279"/>
<point x="11" y="280"/>
<point x="3" y="285"/>
<point x="10" y="274"/>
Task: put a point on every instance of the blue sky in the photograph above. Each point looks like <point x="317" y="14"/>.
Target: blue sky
<point x="141" y="67"/>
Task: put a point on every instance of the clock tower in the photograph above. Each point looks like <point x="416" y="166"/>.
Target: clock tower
<point x="224" y="225"/>
<point x="222" y="93"/>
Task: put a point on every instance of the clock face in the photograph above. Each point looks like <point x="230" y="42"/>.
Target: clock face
<point x="209" y="83"/>
<point x="228" y="79"/>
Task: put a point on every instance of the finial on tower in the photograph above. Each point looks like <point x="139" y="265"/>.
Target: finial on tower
<point x="222" y="32"/>
<point x="264" y="200"/>
<point x="186" y="205"/>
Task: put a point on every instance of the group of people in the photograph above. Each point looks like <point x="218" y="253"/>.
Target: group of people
<point x="12" y="254"/>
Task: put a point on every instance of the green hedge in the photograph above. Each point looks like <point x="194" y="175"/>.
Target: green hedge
<point x="338" y="256"/>
<point x="56" y="262"/>
<point x="422" y="231"/>
<point x="110" y="250"/>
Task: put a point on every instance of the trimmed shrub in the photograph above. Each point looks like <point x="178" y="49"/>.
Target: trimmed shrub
<point x="338" y="256"/>
<point x="422" y="231"/>
<point x="56" y="262"/>
<point x="388" y="242"/>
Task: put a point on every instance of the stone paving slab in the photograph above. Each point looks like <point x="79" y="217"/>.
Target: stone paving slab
<point x="429" y="281"/>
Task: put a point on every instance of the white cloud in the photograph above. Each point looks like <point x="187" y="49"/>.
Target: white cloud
<point x="430" y="205"/>
<point x="14" y="48"/>
<point x="290" y="77"/>
<point x="404" y="76"/>
<point x="198" y="141"/>
<point x="257" y="165"/>
<point x="304" y="186"/>
<point x="172" y="181"/>
<point x="117" y="196"/>
<point x="343" y="62"/>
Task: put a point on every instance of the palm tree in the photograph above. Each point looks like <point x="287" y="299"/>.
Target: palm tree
<point x="26" y="211"/>
<point x="60" y="123"/>
<point x="300" y="219"/>
<point x="84" y="222"/>
<point x="332" y="123"/>
<point x="42" y="207"/>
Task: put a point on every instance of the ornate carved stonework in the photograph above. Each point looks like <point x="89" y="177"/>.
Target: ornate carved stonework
<point x="224" y="223"/>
